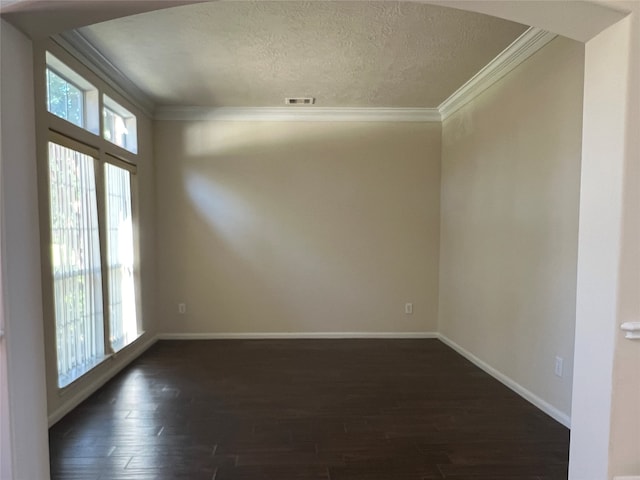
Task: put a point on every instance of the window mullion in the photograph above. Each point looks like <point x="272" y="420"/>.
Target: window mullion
<point x="133" y="185"/>
<point x="101" y="117"/>
<point x="102" y="230"/>
<point x="121" y="163"/>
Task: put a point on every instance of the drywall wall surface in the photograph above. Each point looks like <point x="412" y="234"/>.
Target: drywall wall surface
<point x="605" y="442"/>
<point x="509" y="231"/>
<point x="21" y="261"/>
<point x="625" y="421"/>
<point x="146" y="211"/>
<point x="297" y="227"/>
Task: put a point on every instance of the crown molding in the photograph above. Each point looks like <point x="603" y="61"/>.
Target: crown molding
<point x="522" y="48"/>
<point x="84" y="51"/>
<point x="309" y="114"/>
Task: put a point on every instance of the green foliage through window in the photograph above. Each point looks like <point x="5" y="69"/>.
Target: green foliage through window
<point x="64" y="99"/>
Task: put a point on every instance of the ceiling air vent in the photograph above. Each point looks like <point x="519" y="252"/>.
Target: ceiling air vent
<point x="300" y="101"/>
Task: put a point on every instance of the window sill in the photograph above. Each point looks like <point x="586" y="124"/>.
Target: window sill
<point x="65" y="381"/>
<point x="63" y="387"/>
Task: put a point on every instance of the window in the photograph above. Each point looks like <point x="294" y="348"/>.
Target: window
<point x="65" y="99"/>
<point x="92" y="222"/>
<point x="74" y="99"/>
<point x="119" y="125"/>
<point x="120" y="257"/>
<point x="70" y="96"/>
<point x="80" y="270"/>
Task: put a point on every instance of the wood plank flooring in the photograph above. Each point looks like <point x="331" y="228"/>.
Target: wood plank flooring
<point x="306" y="410"/>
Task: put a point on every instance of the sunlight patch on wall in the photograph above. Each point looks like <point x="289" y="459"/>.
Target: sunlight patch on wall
<point x="211" y="138"/>
<point x="291" y="260"/>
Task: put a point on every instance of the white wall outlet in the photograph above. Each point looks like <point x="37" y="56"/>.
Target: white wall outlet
<point x="558" y="367"/>
<point x="182" y="308"/>
<point x="408" y="308"/>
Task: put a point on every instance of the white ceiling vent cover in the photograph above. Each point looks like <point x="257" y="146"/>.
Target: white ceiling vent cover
<point x="300" y="101"/>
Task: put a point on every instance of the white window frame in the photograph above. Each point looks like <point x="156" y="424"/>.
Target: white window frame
<point x="91" y="107"/>
<point x="91" y="142"/>
<point x="130" y="123"/>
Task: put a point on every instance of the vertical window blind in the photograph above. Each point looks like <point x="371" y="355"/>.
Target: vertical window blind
<point x="120" y="257"/>
<point x="77" y="274"/>
<point x="79" y="268"/>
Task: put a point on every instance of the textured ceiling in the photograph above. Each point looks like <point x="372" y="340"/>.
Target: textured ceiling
<point x="343" y="53"/>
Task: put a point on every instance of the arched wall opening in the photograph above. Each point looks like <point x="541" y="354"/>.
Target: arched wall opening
<point x="604" y="442"/>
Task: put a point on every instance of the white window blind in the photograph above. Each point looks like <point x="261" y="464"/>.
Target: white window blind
<point x="77" y="274"/>
<point x="120" y="257"/>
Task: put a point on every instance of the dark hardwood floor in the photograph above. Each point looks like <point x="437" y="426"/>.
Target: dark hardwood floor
<point x="306" y="410"/>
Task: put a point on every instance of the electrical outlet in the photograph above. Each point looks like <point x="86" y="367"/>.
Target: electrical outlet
<point x="558" y="367"/>
<point x="182" y="308"/>
<point x="408" y="308"/>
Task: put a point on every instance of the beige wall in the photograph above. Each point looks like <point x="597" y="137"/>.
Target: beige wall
<point x="625" y="428"/>
<point x="605" y="441"/>
<point x="510" y="192"/>
<point x="298" y="227"/>
<point x="19" y="240"/>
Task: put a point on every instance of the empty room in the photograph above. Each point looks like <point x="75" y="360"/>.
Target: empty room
<point x="328" y="240"/>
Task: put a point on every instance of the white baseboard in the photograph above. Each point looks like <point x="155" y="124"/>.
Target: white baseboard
<point x="292" y="335"/>
<point x="140" y="346"/>
<point x="531" y="397"/>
